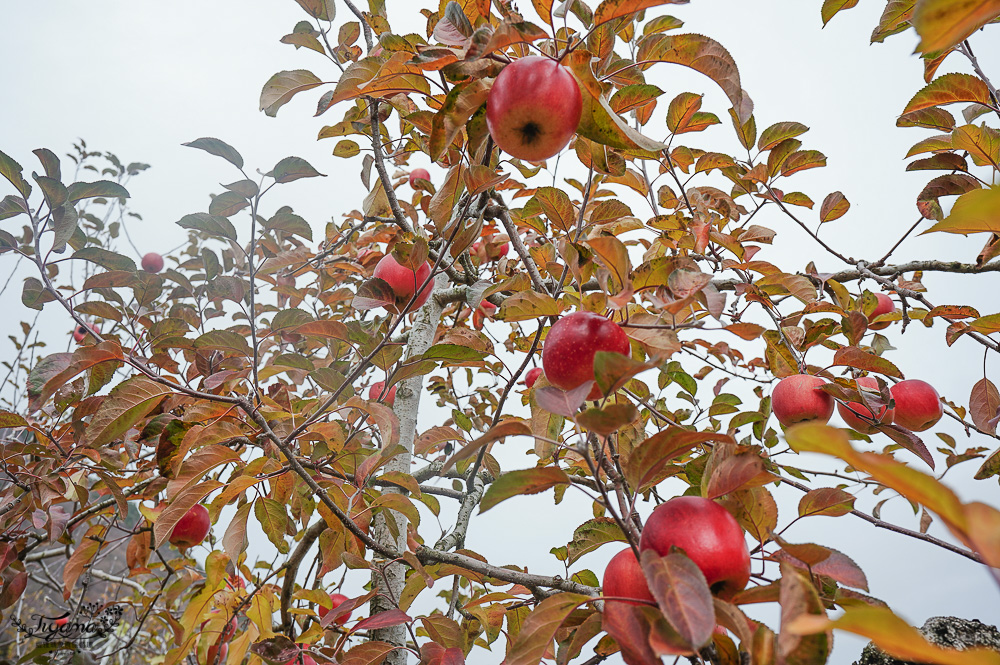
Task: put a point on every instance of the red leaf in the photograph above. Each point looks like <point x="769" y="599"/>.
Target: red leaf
<point x="394" y="617"/>
<point x="984" y="404"/>
<point x="682" y="593"/>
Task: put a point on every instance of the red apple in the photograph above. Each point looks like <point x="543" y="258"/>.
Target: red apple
<point x="80" y="333"/>
<point x="485" y="311"/>
<point x="61" y="621"/>
<point x="884" y="306"/>
<point x="885" y="415"/>
<point x="918" y="405"/>
<point x="533" y="108"/>
<point x="623" y="578"/>
<point x="532" y="375"/>
<point x="152" y="262"/>
<point x="221" y="648"/>
<point x="337" y="599"/>
<point x="405" y="282"/>
<point x="376" y="390"/>
<point x="798" y="397"/>
<point x="191" y="529"/>
<point x="568" y="352"/>
<point x="302" y="658"/>
<point x="708" y="534"/>
<point x="418" y="174"/>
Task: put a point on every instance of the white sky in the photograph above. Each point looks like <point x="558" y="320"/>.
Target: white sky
<point x="139" y="79"/>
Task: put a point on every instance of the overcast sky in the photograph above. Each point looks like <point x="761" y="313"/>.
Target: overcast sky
<point x="139" y="79"/>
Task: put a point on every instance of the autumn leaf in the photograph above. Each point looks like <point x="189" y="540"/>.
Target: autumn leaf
<point x="943" y="23"/>
<point x="281" y="87"/>
<point x="539" y="630"/>
<point x="525" y="481"/>
<point x="976" y="211"/>
<point x="950" y="89"/>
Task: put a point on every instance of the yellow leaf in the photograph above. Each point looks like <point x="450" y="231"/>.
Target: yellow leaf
<point x="943" y="23"/>
<point x="893" y="636"/>
<point x="977" y="211"/>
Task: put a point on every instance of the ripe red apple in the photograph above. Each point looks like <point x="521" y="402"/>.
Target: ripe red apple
<point x="486" y="310"/>
<point x="80" y="333"/>
<point x="376" y="390"/>
<point x="568" y="352"/>
<point x="533" y="108"/>
<point x="884" y="306"/>
<point x="222" y="648"/>
<point x="337" y="599"/>
<point x="404" y="282"/>
<point x="623" y="578"/>
<point x="798" y="397"/>
<point x="61" y="621"/>
<point x="885" y="415"/>
<point x="152" y="262"/>
<point x="191" y="529"/>
<point x="918" y="405"/>
<point x="532" y="375"/>
<point x="708" y="534"/>
<point x="421" y="174"/>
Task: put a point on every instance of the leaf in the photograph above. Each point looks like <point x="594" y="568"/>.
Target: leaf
<point x="281" y="87"/>
<point x="976" y="211"/>
<point x="895" y="18"/>
<point x="11" y="170"/>
<point x="227" y="204"/>
<point x="802" y="160"/>
<point x="461" y="104"/>
<point x="682" y="593"/>
<point x="225" y="341"/>
<point x="912" y="484"/>
<point x="564" y="403"/>
<point x="637" y="630"/>
<point x="852" y="356"/>
<point x="891" y="635"/>
<point x="509" y="427"/>
<point x="704" y="55"/>
<point x="89" y="190"/>
<point x="830" y="501"/>
<point x="798" y="598"/>
<point x="84" y="553"/>
<point x="218" y="148"/>
<point x="592" y="534"/>
<point x="393" y="617"/>
<point x="540" y="628"/>
<point x="950" y="89"/>
<point x="598" y="122"/>
<point x="273" y="520"/>
<point x="778" y="132"/>
<point x="324" y="10"/>
<point x="235" y="541"/>
<point x="982" y="144"/>
<point x="984" y="403"/>
<point x="609" y="10"/>
<point x="213" y="225"/>
<point x="942" y="24"/>
<point x="645" y="466"/>
<point x="124" y="407"/>
<point x="525" y="481"/>
<point x="105" y="259"/>
<point x="831" y="8"/>
<point x="293" y="168"/>
<point x="834" y="206"/>
<point x="609" y="419"/>
<point x="734" y="472"/>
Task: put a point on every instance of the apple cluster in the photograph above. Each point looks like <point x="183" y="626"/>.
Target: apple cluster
<point x="916" y="405"/>
<point x="709" y="535"/>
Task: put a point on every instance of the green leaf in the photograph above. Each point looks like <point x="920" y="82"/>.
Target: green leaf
<point x="778" y="132"/>
<point x="525" y="481"/>
<point x="607" y="420"/>
<point x="219" y="149"/>
<point x="50" y="162"/>
<point x="346" y="148"/>
<point x="34" y="294"/>
<point x="105" y="259"/>
<point x="293" y="168"/>
<point x="227" y="204"/>
<point x="89" y="190"/>
<point x="950" y="89"/>
<point x="829" y="501"/>
<point x="592" y="534"/>
<point x="11" y="170"/>
<point x="10" y="206"/>
<point x="942" y="24"/>
<point x="225" y="341"/>
<point x="281" y="87"/>
<point x="273" y="520"/>
<point x="291" y="223"/>
<point x="977" y="211"/>
<point x="213" y="225"/>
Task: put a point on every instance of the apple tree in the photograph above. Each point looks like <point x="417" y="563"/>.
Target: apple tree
<point x="581" y="285"/>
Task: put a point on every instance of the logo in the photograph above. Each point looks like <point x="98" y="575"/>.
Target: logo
<point x="91" y="623"/>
